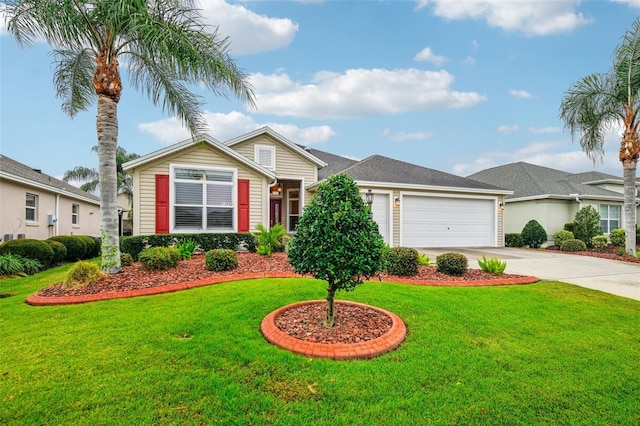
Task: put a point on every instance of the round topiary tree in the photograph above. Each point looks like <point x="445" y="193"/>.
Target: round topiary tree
<point x="337" y="239"/>
<point x="533" y="234"/>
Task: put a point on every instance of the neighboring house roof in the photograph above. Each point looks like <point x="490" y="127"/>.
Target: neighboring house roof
<point x="383" y="171"/>
<point x="267" y="130"/>
<point x="335" y="163"/>
<point x="529" y="181"/>
<point x="204" y="138"/>
<point x="13" y="170"/>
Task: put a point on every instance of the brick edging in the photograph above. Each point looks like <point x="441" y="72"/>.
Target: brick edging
<point x="36" y="300"/>
<point x="340" y="351"/>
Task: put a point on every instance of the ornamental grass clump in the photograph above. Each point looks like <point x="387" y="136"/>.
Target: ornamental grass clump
<point x="452" y="263"/>
<point x="220" y="260"/>
<point x="82" y="274"/>
<point x="159" y="258"/>
<point x="493" y="266"/>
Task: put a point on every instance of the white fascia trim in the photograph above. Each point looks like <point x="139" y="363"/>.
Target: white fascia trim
<point x="315" y="160"/>
<point x="401" y="186"/>
<point x="584" y="197"/>
<point x="56" y="190"/>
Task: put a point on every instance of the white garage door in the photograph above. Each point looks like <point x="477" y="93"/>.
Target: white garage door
<point x="447" y="222"/>
<point x="380" y="210"/>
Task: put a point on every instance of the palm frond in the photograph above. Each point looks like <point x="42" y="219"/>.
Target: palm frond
<point x="73" y="79"/>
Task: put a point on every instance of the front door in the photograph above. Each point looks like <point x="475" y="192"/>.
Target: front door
<point x="275" y="215"/>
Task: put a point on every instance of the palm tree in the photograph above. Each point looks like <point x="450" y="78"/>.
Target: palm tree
<point x="167" y="48"/>
<point x="601" y="102"/>
<point x="90" y="177"/>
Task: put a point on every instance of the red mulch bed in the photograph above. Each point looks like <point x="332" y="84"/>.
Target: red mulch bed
<point x="607" y="253"/>
<point x="134" y="277"/>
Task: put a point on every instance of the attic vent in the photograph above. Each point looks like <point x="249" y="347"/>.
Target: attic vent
<point x="266" y="156"/>
<point x="37" y="170"/>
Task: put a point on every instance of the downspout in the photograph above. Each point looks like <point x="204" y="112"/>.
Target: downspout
<point x="55" y="226"/>
<point x="577" y="197"/>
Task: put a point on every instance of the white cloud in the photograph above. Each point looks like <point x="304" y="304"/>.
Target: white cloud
<point x="359" y="93"/>
<point x="404" y="136"/>
<point x="630" y="3"/>
<point x="534" y="18"/>
<point x="227" y="126"/>
<point x="544" y="130"/>
<point x="427" y="55"/>
<point x="522" y="94"/>
<point x="469" y="60"/>
<point x="248" y="31"/>
<point x="505" y="129"/>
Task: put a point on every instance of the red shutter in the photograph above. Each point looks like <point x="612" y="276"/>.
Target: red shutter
<point x="243" y="205"/>
<point x="162" y="204"/>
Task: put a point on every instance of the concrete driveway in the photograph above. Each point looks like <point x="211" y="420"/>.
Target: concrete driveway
<point x="610" y="276"/>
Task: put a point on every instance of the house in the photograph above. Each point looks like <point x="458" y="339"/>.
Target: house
<point x="36" y="205"/>
<point x="261" y="177"/>
<point x="553" y="197"/>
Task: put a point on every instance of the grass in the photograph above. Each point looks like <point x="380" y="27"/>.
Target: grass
<point x="547" y="353"/>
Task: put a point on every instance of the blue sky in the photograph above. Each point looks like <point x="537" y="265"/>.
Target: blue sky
<point x="457" y="86"/>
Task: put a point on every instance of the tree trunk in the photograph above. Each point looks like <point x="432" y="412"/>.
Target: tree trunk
<point x="629" y="176"/>
<point x="107" y="128"/>
<point x="331" y="291"/>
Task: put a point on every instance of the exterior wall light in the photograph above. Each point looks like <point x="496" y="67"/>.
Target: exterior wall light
<point x="368" y="197"/>
<point x="396" y="201"/>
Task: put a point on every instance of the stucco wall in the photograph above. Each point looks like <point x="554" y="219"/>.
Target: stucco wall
<point x="13" y="217"/>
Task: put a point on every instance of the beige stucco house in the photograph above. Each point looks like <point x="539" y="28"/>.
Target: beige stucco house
<point x="553" y="197"/>
<point x="204" y="185"/>
<point x="36" y="205"/>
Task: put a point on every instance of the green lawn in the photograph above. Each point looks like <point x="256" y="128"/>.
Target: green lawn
<point x="547" y="353"/>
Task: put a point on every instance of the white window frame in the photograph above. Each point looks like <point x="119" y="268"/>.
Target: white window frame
<point x="33" y="208"/>
<point x="272" y="155"/>
<point x="75" y="216"/>
<point x="234" y="197"/>
<point x="608" y="218"/>
<point x="289" y="215"/>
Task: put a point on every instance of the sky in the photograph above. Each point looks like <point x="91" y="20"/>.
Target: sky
<point x="456" y="86"/>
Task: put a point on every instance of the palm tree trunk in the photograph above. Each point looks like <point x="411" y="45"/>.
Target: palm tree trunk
<point x="629" y="176"/>
<point x="107" y="128"/>
<point x="331" y="291"/>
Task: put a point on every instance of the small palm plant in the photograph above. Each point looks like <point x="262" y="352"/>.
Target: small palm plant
<point x="269" y="239"/>
<point x="493" y="266"/>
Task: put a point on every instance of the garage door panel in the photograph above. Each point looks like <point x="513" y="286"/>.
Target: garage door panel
<point x="446" y="222"/>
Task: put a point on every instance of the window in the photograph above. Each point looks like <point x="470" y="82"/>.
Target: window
<point x="203" y="199"/>
<point x="293" y="211"/>
<point x="609" y="217"/>
<point x="31" y="214"/>
<point x="75" y="210"/>
<point x="266" y="156"/>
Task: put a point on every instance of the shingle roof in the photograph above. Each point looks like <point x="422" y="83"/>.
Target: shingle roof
<point x="13" y="169"/>
<point x="378" y="168"/>
<point x="529" y="180"/>
<point x="335" y="163"/>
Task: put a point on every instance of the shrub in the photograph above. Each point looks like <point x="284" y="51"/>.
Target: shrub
<point x="93" y="246"/>
<point x="220" y="260"/>
<point x="620" y="251"/>
<point x="337" y="239"/>
<point x="452" y="263"/>
<point x="159" y="258"/>
<point x="573" y="245"/>
<point x="76" y="247"/>
<point x="493" y="266"/>
<point x="599" y="242"/>
<point x="270" y="240"/>
<point x="10" y="265"/>
<point x="126" y="259"/>
<point x="206" y="241"/>
<point x="562" y="236"/>
<point x="513" y="240"/>
<point x="587" y="224"/>
<point x="617" y="237"/>
<point x="30" y="249"/>
<point x="570" y="227"/>
<point x="402" y="261"/>
<point x="186" y="249"/>
<point x="533" y="234"/>
<point x="81" y="274"/>
<point x="59" y="251"/>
